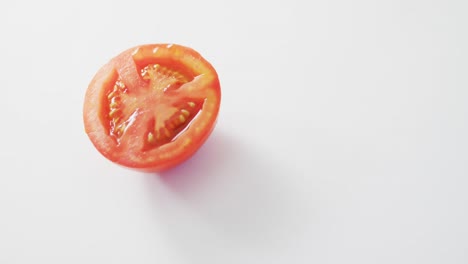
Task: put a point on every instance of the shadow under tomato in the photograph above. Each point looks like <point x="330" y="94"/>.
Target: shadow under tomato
<point x="230" y="194"/>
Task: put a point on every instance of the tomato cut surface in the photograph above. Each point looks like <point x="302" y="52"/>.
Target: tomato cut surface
<point x="152" y="106"/>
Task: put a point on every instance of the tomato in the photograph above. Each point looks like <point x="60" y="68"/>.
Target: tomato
<point x="152" y="106"/>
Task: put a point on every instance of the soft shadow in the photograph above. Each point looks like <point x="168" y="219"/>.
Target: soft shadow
<point x="205" y="164"/>
<point x="230" y="196"/>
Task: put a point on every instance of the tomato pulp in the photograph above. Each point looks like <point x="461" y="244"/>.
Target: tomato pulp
<point x="152" y="106"/>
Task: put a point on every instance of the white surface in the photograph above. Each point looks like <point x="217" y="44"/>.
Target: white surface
<point x="342" y="136"/>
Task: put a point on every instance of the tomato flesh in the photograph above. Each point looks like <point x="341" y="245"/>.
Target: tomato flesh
<point x="152" y="106"/>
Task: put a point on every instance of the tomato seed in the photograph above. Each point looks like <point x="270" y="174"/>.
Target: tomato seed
<point x="115" y="121"/>
<point x="119" y="84"/>
<point x="150" y="137"/>
<point x="167" y="132"/>
<point x="185" y="112"/>
<point x="113" y="104"/>
<point x="114" y="112"/>
<point x="112" y="95"/>
<point x="182" y="118"/>
<point x="120" y="130"/>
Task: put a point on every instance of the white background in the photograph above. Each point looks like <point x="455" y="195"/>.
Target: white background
<point x="342" y="135"/>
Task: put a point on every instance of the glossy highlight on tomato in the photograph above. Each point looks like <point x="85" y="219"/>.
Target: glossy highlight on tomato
<point x="152" y="106"/>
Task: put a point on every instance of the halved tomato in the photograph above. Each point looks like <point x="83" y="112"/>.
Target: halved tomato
<point x="152" y="106"/>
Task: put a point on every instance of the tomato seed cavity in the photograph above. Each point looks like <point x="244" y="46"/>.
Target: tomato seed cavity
<point x="169" y="120"/>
